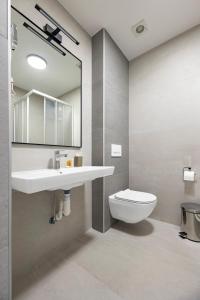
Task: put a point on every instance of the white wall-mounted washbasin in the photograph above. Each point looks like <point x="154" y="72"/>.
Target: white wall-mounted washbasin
<point x="50" y="179"/>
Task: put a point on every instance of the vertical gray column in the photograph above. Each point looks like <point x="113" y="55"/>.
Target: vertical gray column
<point x="5" y="283"/>
<point x="97" y="129"/>
<point x="110" y="123"/>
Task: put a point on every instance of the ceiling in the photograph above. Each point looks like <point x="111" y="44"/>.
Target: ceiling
<point x="62" y="74"/>
<point x="165" y="19"/>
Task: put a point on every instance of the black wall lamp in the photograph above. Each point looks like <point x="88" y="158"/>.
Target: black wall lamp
<point x="54" y="34"/>
<point x="29" y="27"/>
<point x="48" y="34"/>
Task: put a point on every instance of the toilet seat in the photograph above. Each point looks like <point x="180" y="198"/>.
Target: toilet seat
<point x="131" y="206"/>
<point x="135" y="197"/>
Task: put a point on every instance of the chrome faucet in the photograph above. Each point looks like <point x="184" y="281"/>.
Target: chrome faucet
<point x="58" y="156"/>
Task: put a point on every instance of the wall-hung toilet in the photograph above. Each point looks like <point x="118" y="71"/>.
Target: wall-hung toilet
<point x="131" y="206"/>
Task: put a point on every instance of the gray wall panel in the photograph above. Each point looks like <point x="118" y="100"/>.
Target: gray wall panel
<point x="97" y="96"/>
<point x="5" y="282"/>
<point x="116" y="119"/>
<point x="111" y="105"/>
<point x="165" y="123"/>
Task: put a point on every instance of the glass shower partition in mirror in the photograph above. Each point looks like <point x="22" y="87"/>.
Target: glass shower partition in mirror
<point x="46" y="94"/>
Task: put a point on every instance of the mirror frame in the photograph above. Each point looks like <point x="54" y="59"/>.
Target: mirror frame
<point x="81" y="97"/>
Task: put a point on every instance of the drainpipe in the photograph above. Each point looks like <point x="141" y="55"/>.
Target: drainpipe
<point x="67" y="203"/>
<point x="60" y="210"/>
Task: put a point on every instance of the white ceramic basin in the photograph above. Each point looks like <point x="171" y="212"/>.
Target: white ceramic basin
<point x="49" y="179"/>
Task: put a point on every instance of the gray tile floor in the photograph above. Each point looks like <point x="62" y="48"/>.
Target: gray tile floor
<point x="146" y="261"/>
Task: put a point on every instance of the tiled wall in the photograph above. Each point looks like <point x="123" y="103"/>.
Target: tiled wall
<point x="165" y="123"/>
<point x="4" y="157"/>
<point x="110" y="123"/>
<point x="34" y="240"/>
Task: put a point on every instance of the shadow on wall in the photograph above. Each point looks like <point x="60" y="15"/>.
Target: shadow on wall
<point x="34" y="240"/>
<point x="143" y="228"/>
<point x="53" y="261"/>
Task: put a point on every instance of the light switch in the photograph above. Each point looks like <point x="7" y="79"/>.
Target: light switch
<point x="116" y="150"/>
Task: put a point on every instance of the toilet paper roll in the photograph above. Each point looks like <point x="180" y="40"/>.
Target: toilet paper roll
<point x="189" y="176"/>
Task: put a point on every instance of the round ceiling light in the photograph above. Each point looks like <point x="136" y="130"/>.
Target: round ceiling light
<point x="36" y="62"/>
<point x="140" y="28"/>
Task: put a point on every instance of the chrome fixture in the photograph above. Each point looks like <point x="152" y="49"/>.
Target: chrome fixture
<point x="190" y="221"/>
<point x="58" y="156"/>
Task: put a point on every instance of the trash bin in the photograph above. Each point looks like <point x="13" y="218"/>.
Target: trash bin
<point x="190" y="221"/>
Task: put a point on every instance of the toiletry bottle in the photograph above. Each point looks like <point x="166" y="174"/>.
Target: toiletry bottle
<point x="78" y="160"/>
<point x="69" y="163"/>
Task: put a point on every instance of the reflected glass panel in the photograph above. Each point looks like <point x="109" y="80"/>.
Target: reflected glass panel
<point x="46" y="100"/>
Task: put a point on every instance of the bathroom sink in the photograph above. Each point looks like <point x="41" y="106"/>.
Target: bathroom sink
<point x="50" y="179"/>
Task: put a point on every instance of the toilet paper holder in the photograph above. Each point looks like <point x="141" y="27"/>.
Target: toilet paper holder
<point x="188" y="169"/>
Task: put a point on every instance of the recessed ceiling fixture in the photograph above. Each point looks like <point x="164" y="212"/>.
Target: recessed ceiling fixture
<point x="36" y="62"/>
<point x="139" y="28"/>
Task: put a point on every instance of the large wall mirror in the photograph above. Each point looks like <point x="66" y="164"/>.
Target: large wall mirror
<point x="46" y="89"/>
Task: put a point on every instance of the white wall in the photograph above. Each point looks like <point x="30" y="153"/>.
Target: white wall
<point x="165" y="123"/>
<point x="30" y="213"/>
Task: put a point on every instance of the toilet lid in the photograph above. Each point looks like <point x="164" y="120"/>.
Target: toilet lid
<point x="135" y="196"/>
